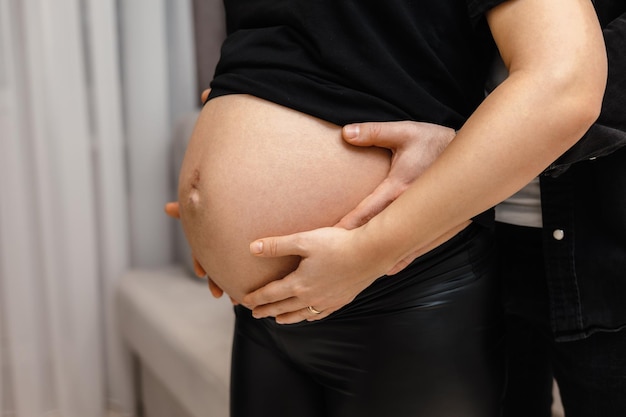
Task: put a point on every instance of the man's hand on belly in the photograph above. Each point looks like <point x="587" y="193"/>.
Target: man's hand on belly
<point x="414" y="147"/>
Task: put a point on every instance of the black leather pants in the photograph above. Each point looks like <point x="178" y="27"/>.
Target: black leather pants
<point x="423" y="343"/>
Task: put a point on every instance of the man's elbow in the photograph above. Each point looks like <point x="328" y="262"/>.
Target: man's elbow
<point x="581" y="89"/>
<point x="590" y="96"/>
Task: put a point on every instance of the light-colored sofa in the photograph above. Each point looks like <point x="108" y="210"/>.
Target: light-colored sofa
<point x="181" y="338"/>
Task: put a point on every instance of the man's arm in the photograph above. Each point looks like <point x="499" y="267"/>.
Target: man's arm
<point x="608" y="134"/>
<point x="409" y="141"/>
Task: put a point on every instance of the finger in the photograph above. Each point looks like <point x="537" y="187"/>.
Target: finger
<point x="401" y="265"/>
<point x="293" y="317"/>
<point x="325" y="313"/>
<point x="197" y="268"/>
<point x="216" y="291"/>
<point x="277" y="246"/>
<point x="372" y="205"/>
<point x="205" y="95"/>
<point x="382" y="134"/>
<point x="303" y="314"/>
<point x="297" y="316"/>
<point x="274" y="292"/>
<point x="173" y="209"/>
<point x="275" y="309"/>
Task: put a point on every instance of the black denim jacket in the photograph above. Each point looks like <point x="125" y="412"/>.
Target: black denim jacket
<point x="583" y="198"/>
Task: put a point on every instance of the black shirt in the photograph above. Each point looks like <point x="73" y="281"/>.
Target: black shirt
<point x="356" y="60"/>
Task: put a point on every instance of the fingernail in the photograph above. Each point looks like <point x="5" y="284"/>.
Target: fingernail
<point x="351" y="131"/>
<point x="256" y="247"/>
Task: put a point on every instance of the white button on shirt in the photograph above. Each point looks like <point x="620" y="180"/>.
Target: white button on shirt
<point x="558" y="234"/>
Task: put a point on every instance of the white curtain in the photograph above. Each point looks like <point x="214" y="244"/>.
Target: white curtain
<point x="63" y="210"/>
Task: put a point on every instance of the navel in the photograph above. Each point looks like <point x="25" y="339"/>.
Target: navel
<point x="194" y="194"/>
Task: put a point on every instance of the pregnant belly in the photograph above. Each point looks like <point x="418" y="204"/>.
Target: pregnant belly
<point x="255" y="169"/>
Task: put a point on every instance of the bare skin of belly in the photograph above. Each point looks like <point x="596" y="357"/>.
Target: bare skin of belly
<point x="254" y="169"/>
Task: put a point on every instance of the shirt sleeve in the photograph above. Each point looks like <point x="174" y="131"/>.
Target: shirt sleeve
<point x="478" y="8"/>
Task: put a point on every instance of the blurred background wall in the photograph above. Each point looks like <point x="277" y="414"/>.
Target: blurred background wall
<point x="90" y="91"/>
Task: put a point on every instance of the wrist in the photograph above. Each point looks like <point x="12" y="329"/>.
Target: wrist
<point x="377" y="247"/>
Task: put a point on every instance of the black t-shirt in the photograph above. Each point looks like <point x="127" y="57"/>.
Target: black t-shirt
<point x="359" y="60"/>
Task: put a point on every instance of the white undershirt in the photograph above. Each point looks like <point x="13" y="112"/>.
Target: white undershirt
<point x="522" y="208"/>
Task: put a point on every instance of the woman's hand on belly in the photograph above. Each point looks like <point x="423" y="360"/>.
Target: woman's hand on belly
<point x="331" y="273"/>
<point x="336" y="265"/>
